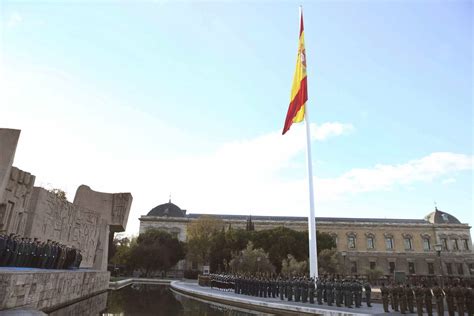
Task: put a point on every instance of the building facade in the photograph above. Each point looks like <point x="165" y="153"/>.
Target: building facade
<point x="438" y="244"/>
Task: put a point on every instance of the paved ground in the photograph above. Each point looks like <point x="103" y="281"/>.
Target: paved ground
<point x="276" y="304"/>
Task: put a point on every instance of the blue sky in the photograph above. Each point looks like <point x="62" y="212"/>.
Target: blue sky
<point x="189" y="98"/>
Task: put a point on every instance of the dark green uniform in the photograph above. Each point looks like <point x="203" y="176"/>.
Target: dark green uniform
<point x="311" y="290"/>
<point x="459" y="298"/>
<point x="403" y="299"/>
<point x="385" y="292"/>
<point x="439" y="297"/>
<point x="410" y="298"/>
<point x="419" y="299"/>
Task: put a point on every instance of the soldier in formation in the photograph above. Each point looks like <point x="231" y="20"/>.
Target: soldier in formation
<point x="348" y="292"/>
<point x="16" y="251"/>
<point x="459" y="296"/>
<point x="333" y="290"/>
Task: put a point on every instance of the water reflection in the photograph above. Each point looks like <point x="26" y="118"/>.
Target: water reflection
<point x="146" y="299"/>
<point x="91" y="306"/>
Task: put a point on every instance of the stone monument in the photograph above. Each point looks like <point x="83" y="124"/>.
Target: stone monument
<point x="35" y="212"/>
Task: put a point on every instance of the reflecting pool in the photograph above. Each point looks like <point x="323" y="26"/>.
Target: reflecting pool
<point x="147" y="299"/>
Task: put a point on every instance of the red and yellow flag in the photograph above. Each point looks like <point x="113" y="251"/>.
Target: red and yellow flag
<point x="299" y="90"/>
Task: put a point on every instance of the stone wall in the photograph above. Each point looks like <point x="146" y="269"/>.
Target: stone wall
<point x="53" y="218"/>
<point x="8" y="143"/>
<point x="34" y="212"/>
<point x="90" y="306"/>
<point x="16" y="196"/>
<point x="44" y="289"/>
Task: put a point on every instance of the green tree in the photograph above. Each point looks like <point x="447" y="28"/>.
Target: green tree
<point x="60" y="194"/>
<point x="328" y="261"/>
<point x="280" y="242"/>
<point x="290" y="266"/>
<point x="155" y="250"/>
<point x="373" y="274"/>
<point x="201" y="238"/>
<point x="122" y="250"/>
<point x="251" y="260"/>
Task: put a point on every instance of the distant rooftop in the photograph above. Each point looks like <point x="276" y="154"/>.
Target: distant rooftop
<point x="319" y="219"/>
<point x="437" y="217"/>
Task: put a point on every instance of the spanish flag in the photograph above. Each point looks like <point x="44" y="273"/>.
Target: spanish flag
<point x="299" y="90"/>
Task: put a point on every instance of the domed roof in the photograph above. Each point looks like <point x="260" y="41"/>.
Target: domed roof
<point x="439" y="217"/>
<point x="168" y="209"/>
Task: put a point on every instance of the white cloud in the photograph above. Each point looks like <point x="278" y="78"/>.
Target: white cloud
<point x="14" y="19"/>
<point x="449" y="180"/>
<point x="383" y="177"/>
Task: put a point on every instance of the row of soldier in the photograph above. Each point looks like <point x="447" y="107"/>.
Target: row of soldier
<point x="333" y="291"/>
<point x="459" y="297"/>
<point x="16" y="251"/>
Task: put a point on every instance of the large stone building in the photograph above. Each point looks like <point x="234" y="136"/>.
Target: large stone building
<point x="407" y="245"/>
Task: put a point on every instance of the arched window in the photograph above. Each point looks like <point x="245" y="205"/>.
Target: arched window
<point x="351" y="240"/>
<point x="408" y="241"/>
<point x="389" y="243"/>
<point x="426" y="242"/>
<point x="370" y="240"/>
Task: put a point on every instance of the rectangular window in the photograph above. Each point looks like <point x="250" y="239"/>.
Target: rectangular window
<point x="460" y="269"/>
<point x="372" y="265"/>
<point x="353" y="267"/>
<point x="351" y="242"/>
<point x="430" y="268"/>
<point x="391" y="266"/>
<point x="370" y="243"/>
<point x="444" y="242"/>
<point x="466" y="244"/>
<point x="408" y="245"/>
<point x="449" y="268"/>
<point x="411" y="267"/>
<point x="389" y="242"/>
<point x="426" y="244"/>
<point x="455" y="244"/>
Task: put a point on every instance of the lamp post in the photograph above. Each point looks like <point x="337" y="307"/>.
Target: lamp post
<point x="258" y="262"/>
<point x="344" y="254"/>
<point x="438" y="248"/>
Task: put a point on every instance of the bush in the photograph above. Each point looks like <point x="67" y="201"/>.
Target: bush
<point x="191" y="274"/>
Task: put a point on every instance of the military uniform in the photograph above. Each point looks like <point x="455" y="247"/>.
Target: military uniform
<point x="3" y="249"/>
<point x="470" y="300"/>
<point x="290" y="290"/>
<point x="459" y="298"/>
<point x="385" y="292"/>
<point x="410" y="298"/>
<point x="311" y="290"/>
<point x="428" y="300"/>
<point x="439" y="297"/>
<point x="281" y="288"/>
<point x="394" y="297"/>
<point x="304" y="293"/>
<point x="319" y="291"/>
<point x="368" y="292"/>
<point x="419" y="300"/>
<point x="358" y="293"/>
<point x="448" y="292"/>
<point x="402" y="299"/>
<point x="329" y="286"/>
<point x="338" y="293"/>
<point x="348" y="294"/>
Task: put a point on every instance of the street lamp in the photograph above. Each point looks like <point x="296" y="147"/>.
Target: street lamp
<point x="258" y="266"/>
<point x="438" y="249"/>
<point x="344" y="254"/>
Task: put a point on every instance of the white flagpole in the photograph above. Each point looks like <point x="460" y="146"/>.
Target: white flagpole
<point x="313" y="259"/>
